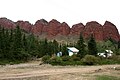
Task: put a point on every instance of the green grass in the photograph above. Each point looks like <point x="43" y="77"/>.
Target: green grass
<point x="11" y="62"/>
<point x="106" y="77"/>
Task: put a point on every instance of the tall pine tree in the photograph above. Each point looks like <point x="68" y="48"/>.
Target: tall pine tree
<point x="81" y="46"/>
<point x="64" y="50"/>
<point x="55" y="46"/>
<point x="17" y="43"/>
<point x="18" y="38"/>
<point x="92" y="48"/>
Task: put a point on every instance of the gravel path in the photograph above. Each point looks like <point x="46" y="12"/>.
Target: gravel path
<point x="34" y="71"/>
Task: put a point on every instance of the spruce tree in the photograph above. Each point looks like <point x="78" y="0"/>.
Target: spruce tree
<point x="17" y="43"/>
<point x="31" y="47"/>
<point x="6" y="44"/>
<point x="1" y="42"/>
<point x="64" y="50"/>
<point x="45" y="46"/>
<point x="55" y="46"/>
<point x="50" y="48"/>
<point x="118" y="44"/>
<point x="24" y="42"/>
<point x="81" y="46"/>
<point x="11" y="42"/>
<point x="18" y="37"/>
<point x="92" y="48"/>
<point x="41" y="48"/>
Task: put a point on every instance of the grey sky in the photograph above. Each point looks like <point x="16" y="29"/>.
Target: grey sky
<point x="70" y="11"/>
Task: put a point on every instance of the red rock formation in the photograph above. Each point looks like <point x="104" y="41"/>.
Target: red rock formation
<point x="25" y="25"/>
<point x="45" y="28"/>
<point x="94" y="28"/>
<point x="64" y="29"/>
<point x="39" y="27"/>
<point x="6" y="23"/>
<point x="54" y="27"/>
<point x="110" y="30"/>
<point x="77" y="29"/>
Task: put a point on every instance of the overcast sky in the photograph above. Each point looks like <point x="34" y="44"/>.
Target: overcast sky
<point x="70" y="11"/>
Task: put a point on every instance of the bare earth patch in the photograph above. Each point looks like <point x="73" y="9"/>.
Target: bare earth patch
<point x="34" y="71"/>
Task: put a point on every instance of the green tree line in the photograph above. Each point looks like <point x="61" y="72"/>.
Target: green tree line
<point x="16" y="45"/>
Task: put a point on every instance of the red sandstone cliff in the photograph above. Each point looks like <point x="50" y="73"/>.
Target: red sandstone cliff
<point x="77" y="29"/>
<point x="110" y="30"/>
<point x="94" y="28"/>
<point x="55" y="28"/>
<point x="6" y="23"/>
<point x="64" y="29"/>
<point x="25" y="25"/>
<point x="39" y="27"/>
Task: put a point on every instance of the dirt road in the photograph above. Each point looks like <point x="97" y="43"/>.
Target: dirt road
<point x="34" y="71"/>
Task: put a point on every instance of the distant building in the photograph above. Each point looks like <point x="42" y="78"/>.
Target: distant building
<point x="72" y="50"/>
<point x="107" y="54"/>
<point x="59" y="54"/>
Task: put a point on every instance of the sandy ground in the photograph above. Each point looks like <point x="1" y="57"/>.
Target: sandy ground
<point x="34" y="71"/>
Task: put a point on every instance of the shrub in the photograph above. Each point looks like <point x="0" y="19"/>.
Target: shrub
<point x="46" y="58"/>
<point x="75" y="58"/>
<point x="55" y="60"/>
<point x="107" y="61"/>
<point x="113" y="60"/>
<point x="90" y="60"/>
<point x="116" y="57"/>
<point x="66" y="58"/>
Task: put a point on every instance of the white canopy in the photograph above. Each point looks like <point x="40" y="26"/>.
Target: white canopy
<point x="109" y="51"/>
<point x="73" y="49"/>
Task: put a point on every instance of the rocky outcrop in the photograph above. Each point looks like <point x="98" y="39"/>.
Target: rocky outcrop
<point x="77" y="29"/>
<point x="110" y="31"/>
<point x="64" y="29"/>
<point x="94" y="28"/>
<point x="40" y="27"/>
<point x="25" y="25"/>
<point x="54" y="29"/>
<point x="6" y="23"/>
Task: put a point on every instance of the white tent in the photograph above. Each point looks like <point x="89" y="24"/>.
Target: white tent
<point x="107" y="53"/>
<point x="72" y="50"/>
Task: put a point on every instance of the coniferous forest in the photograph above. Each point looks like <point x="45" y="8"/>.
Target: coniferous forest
<point x="16" y="45"/>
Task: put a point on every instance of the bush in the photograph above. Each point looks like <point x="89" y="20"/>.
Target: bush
<point x="66" y="58"/>
<point x="55" y="60"/>
<point x="107" y="61"/>
<point x="11" y="62"/>
<point x="118" y="59"/>
<point x="75" y="58"/>
<point x="90" y="60"/>
<point x="46" y="58"/>
<point x="115" y="59"/>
